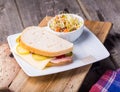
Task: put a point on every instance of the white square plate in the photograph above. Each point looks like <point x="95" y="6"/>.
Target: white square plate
<point x="87" y="49"/>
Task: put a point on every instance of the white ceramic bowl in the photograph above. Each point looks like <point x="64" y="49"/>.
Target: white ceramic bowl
<point x="70" y="36"/>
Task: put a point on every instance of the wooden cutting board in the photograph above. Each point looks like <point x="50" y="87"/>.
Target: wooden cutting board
<point x="68" y="81"/>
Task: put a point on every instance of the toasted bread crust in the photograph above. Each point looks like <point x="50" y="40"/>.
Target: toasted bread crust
<point x="44" y="53"/>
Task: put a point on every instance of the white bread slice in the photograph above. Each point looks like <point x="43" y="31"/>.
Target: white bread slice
<point x="39" y="41"/>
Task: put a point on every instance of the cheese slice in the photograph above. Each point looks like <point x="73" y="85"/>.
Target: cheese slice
<point x="38" y="64"/>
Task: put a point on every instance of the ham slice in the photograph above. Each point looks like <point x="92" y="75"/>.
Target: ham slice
<point x="62" y="60"/>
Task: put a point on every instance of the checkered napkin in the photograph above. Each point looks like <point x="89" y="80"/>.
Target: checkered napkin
<point x="109" y="82"/>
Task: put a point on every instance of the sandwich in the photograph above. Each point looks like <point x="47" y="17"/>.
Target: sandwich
<point x="42" y="49"/>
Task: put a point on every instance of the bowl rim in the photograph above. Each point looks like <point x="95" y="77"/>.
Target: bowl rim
<point x="74" y="15"/>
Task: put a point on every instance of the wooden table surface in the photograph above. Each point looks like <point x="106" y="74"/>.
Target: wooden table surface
<point x="68" y="81"/>
<point x="15" y="15"/>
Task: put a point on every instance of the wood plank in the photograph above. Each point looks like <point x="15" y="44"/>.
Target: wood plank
<point x="95" y="28"/>
<point x="35" y="10"/>
<point x="31" y="13"/>
<point x="19" y="81"/>
<point x="98" y="10"/>
<point x="70" y="80"/>
<point x="9" y="19"/>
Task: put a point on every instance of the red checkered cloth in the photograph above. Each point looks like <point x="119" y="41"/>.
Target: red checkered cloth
<point x="109" y="82"/>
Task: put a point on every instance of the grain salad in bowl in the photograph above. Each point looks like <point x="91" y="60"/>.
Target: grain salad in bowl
<point x="67" y="26"/>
